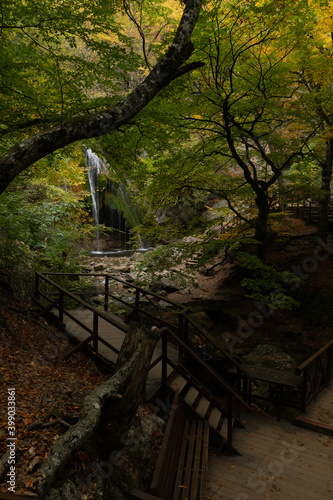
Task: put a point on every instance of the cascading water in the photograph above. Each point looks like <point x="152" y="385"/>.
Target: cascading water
<point x="94" y="167"/>
<point x="108" y="207"/>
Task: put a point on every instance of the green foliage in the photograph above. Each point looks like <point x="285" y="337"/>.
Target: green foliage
<point x="230" y="129"/>
<point x="159" y="262"/>
<point x="63" y="58"/>
<point x="54" y="59"/>
<point x="265" y="283"/>
<point x="226" y="131"/>
<point x="300" y="182"/>
<point x="39" y="227"/>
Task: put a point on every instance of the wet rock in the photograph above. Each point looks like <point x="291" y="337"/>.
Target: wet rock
<point x="162" y="303"/>
<point x="99" y="267"/>
<point x="204" y="271"/>
<point x="270" y="356"/>
<point x="202" y="320"/>
<point x="69" y="491"/>
<point x="165" y="284"/>
<point x="133" y="466"/>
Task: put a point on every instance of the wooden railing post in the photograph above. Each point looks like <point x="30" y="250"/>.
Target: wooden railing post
<point x="244" y="390"/>
<point x="329" y="365"/>
<point x="181" y="336"/>
<point x="164" y="358"/>
<point x="106" y="293"/>
<point x="95" y="332"/>
<point x="36" y="286"/>
<point x="230" y="423"/>
<point x="305" y="389"/>
<point x="185" y="328"/>
<point x="61" y="306"/>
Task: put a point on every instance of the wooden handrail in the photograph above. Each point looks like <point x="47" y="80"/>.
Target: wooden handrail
<point x="315" y="355"/>
<point x="233" y="396"/>
<point x="222" y="351"/>
<point x="226" y="386"/>
<point x="127" y="283"/>
<point x="322" y="379"/>
<point x="106" y="316"/>
<point x="183" y="311"/>
<point x="94" y="336"/>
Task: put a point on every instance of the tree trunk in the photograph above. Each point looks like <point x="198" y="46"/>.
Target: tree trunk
<point x="325" y="197"/>
<point x="117" y="415"/>
<point x="146" y="340"/>
<point x="81" y="127"/>
<point x="261" y="225"/>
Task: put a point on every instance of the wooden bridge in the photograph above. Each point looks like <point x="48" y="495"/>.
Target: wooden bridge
<point x="216" y="397"/>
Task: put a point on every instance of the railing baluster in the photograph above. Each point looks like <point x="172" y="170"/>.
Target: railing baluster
<point x="61" y="306"/>
<point x="106" y="293"/>
<point x="181" y="336"/>
<point x="36" y="286"/>
<point x="317" y="373"/>
<point x="305" y="389"/>
<point x="164" y="358"/>
<point x="137" y="303"/>
<point x="329" y="365"/>
<point x="230" y="423"/>
<point x="95" y="331"/>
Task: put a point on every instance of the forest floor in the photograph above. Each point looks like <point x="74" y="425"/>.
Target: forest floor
<point x="47" y="389"/>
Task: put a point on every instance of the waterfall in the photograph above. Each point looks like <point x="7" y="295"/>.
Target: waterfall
<point x="94" y="167"/>
<point x="111" y="207"/>
<point x="93" y="164"/>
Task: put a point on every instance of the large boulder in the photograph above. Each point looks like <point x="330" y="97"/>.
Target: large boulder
<point x="164" y="284"/>
<point x="203" y="320"/>
<point x="133" y="466"/>
<point x="271" y="356"/>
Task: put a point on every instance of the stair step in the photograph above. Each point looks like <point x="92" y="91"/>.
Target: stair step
<point x="215" y="418"/>
<point x="202" y="407"/>
<point x="178" y="383"/>
<point x="224" y="429"/>
<point x="191" y="396"/>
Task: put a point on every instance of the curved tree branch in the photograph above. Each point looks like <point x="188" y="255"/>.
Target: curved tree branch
<point x="80" y="127"/>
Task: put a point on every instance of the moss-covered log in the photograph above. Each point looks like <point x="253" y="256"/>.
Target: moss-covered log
<point x="108" y="409"/>
<point x="79" y="434"/>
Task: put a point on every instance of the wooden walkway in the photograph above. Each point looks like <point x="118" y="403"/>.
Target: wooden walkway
<point x="319" y="414"/>
<point x="115" y="337"/>
<point x="278" y="461"/>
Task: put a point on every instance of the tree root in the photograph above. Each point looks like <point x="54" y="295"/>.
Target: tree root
<point x="78" y="434"/>
<point x="44" y="425"/>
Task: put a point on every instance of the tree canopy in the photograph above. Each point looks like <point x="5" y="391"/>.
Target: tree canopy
<point x="259" y="106"/>
<point x="54" y="78"/>
<point x="249" y="121"/>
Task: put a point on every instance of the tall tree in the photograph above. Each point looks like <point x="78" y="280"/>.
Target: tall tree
<point x="64" y="25"/>
<point x="244" y="113"/>
<point x="248" y="96"/>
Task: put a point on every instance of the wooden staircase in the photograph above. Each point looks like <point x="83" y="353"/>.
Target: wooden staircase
<point x="222" y="413"/>
<point x="204" y="405"/>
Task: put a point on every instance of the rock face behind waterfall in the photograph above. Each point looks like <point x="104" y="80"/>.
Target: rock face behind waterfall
<point x="111" y="206"/>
